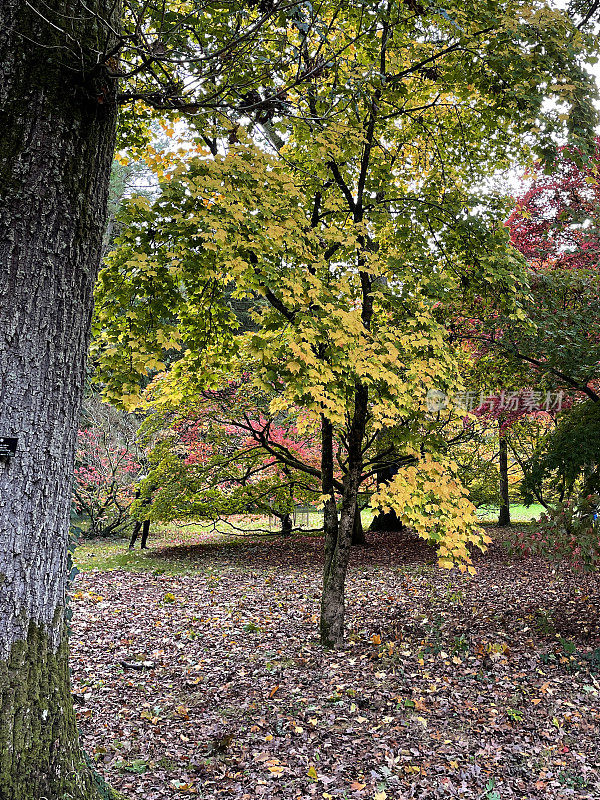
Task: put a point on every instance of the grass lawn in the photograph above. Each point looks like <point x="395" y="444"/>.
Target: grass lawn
<point x="113" y="553"/>
<point x="518" y="513"/>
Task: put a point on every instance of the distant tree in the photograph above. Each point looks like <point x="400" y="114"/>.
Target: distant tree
<point x="214" y="453"/>
<point x="556" y="226"/>
<point x="552" y="345"/>
<point x="556" y="221"/>
<point x="108" y="462"/>
<point x="499" y="413"/>
<point x="563" y="473"/>
<point x="566" y="464"/>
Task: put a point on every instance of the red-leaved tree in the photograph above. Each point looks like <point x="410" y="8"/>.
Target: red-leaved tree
<point x="108" y="463"/>
<point x="222" y="452"/>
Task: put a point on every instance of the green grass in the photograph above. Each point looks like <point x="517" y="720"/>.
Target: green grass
<point x="518" y="513"/>
<point x="106" y="555"/>
<point x="113" y="553"/>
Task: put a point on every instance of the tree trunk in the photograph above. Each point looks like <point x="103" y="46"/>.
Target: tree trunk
<point x="330" y="611"/>
<point x="286" y="524"/>
<point x="386" y="522"/>
<point x="358" y="532"/>
<point x="390" y="520"/>
<point x="144" y="527"/>
<point x="56" y="145"/>
<point x="338" y="537"/>
<point x="135" y="533"/>
<point x="504" y="516"/>
<point x="145" y="533"/>
<point x="333" y="606"/>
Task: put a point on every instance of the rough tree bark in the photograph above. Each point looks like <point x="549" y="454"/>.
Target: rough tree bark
<point x="504" y="515"/>
<point x="339" y="534"/>
<point x="330" y="610"/>
<point x="56" y="146"/>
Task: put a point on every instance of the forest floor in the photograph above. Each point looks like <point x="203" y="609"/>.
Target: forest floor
<point x="200" y="674"/>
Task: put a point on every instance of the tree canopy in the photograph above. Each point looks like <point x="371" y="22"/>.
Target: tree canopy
<point x="349" y="224"/>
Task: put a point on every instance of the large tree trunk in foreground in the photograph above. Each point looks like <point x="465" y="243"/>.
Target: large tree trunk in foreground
<point x="56" y="144"/>
<point x="504" y="516"/>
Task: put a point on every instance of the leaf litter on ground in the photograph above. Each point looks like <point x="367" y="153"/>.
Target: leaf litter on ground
<point x="213" y="684"/>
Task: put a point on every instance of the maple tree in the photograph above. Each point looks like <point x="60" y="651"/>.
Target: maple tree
<point x="555" y="226"/>
<point x="349" y="226"/>
<point x="213" y="454"/>
<point x="555" y="344"/>
<point x="551" y="346"/>
<point x="570" y="454"/>
<point x="530" y="411"/>
<point x="555" y="221"/>
<point x="484" y="468"/>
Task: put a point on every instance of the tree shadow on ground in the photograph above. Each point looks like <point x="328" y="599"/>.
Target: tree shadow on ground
<point x="390" y="549"/>
<point x="383" y="549"/>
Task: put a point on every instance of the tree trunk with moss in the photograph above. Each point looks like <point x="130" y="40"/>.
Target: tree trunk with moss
<point x="56" y="145"/>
